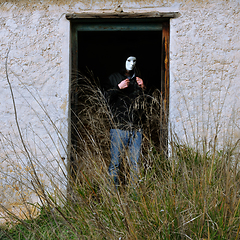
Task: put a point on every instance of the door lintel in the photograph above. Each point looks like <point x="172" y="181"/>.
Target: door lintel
<point x="121" y="14"/>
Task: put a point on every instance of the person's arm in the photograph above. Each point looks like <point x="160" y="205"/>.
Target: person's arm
<point x="112" y="88"/>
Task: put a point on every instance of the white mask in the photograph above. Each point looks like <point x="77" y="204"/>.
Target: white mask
<point x="130" y="63"/>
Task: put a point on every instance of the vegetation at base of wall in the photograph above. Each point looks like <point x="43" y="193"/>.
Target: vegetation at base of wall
<point x="186" y="202"/>
<point x="184" y="192"/>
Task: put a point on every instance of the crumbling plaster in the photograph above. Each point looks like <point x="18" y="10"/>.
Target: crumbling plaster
<point x="204" y="78"/>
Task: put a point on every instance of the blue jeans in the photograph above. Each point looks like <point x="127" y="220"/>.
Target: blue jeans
<point x="129" y="142"/>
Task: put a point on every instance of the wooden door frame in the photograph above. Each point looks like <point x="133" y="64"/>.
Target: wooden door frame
<point x="76" y="18"/>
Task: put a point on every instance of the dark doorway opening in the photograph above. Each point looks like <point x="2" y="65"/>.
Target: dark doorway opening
<point x="100" y="53"/>
<point x="96" y="48"/>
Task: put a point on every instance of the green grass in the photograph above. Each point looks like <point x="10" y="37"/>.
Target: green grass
<point x="185" y="201"/>
<point x="192" y="194"/>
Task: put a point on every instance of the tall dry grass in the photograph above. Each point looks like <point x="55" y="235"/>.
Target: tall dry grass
<point x="184" y="191"/>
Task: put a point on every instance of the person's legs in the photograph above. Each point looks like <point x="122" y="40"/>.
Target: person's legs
<point x="134" y="150"/>
<point x="119" y="139"/>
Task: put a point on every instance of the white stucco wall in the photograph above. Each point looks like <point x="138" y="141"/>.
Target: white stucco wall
<point x="205" y="71"/>
<point x="37" y="36"/>
<point x="204" y="78"/>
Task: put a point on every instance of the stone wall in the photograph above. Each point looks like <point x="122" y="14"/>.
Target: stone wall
<point x="204" y="86"/>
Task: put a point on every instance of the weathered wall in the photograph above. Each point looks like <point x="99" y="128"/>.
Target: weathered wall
<point x="205" y="71"/>
<point x="204" y="86"/>
<point x="37" y="38"/>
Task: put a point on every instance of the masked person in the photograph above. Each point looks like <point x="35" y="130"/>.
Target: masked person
<point x="125" y="95"/>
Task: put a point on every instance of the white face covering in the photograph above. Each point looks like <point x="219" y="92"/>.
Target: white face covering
<point x="130" y="63"/>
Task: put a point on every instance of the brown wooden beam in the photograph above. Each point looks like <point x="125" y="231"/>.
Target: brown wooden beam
<point x="73" y="16"/>
<point x="165" y="66"/>
<point x="165" y="62"/>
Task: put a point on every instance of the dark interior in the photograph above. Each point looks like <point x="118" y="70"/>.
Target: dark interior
<point x="100" y="52"/>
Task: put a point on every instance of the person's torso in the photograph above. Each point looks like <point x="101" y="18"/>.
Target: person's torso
<point x="124" y="103"/>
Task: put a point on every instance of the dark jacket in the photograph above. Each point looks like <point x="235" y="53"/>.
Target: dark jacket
<point x="125" y="104"/>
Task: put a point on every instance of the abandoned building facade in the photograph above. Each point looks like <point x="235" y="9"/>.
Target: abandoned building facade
<point x="191" y="48"/>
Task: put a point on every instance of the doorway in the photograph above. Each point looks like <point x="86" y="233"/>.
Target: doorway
<point x="96" y="45"/>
